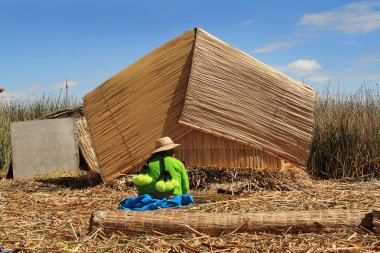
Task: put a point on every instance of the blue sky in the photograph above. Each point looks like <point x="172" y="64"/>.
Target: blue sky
<point x="45" y="42"/>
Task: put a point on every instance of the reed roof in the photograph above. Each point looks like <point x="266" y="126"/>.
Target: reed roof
<point x="196" y="81"/>
<point x="231" y="94"/>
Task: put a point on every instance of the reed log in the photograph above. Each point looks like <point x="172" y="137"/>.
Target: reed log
<point x="215" y="224"/>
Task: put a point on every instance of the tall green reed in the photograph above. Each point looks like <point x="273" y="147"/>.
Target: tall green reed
<point x="346" y="142"/>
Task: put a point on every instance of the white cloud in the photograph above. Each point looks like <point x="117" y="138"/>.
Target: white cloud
<point x="360" y="17"/>
<point x="275" y="46"/>
<point x="319" y="78"/>
<point x="246" y="22"/>
<point x="62" y="85"/>
<point x="303" y="66"/>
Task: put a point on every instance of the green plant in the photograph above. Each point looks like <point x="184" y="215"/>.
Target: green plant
<point x="346" y="141"/>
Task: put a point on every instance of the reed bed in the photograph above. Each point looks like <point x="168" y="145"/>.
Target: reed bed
<point x="346" y="141"/>
<point x="12" y="110"/>
<point x="52" y="215"/>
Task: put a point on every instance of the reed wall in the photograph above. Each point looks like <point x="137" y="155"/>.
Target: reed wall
<point x="200" y="149"/>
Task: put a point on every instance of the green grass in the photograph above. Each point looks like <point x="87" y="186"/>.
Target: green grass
<point x="12" y="110"/>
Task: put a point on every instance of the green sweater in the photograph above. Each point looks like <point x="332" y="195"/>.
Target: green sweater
<point x="176" y="169"/>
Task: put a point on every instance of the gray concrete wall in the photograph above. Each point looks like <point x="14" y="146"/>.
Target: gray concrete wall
<point x="42" y="146"/>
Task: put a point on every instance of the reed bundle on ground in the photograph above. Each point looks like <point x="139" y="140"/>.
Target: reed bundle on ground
<point x="216" y="224"/>
<point x="285" y="178"/>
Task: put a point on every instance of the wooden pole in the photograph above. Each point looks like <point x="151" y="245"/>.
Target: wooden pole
<point x="1" y="100"/>
<point x="67" y="94"/>
<point x="215" y="224"/>
<point x="376" y="217"/>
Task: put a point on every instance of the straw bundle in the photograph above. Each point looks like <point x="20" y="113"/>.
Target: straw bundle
<point x="215" y="224"/>
<point x="233" y="95"/>
<point x="269" y="179"/>
<point x="74" y="112"/>
<point x="85" y="144"/>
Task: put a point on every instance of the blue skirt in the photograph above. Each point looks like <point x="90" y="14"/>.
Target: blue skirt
<point x="148" y="202"/>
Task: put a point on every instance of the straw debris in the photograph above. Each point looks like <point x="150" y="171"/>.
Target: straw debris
<point x="48" y="216"/>
<point x="270" y="179"/>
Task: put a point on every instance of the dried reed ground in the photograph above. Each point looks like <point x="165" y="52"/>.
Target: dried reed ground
<point x="46" y="215"/>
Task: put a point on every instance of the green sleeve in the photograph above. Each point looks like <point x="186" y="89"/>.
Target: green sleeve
<point x="185" y="180"/>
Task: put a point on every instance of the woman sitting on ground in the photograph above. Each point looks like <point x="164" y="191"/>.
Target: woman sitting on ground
<point x="163" y="177"/>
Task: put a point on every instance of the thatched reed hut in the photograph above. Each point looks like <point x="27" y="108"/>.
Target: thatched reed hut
<point x="226" y="108"/>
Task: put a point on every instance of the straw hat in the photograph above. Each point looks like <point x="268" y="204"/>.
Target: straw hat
<point x="164" y="143"/>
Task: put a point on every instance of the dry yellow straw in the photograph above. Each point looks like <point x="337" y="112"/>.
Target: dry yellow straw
<point x="85" y="144"/>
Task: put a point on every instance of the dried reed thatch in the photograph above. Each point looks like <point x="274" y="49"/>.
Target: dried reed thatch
<point x="216" y="224"/>
<point x="285" y="178"/>
<point x="233" y="95"/>
<point x="196" y="82"/>
<point x="199" y="149"/>
<point x="142" y="103"/>
<point x="85" y="144"/>
<point x="74" y="112"/>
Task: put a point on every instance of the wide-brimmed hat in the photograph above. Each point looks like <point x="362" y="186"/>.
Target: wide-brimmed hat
<point x="164" y="143"/>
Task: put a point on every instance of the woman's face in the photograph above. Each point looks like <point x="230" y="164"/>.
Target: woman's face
<point x="171" y="152"/>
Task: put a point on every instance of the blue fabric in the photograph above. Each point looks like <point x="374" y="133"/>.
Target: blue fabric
<point x="4" y="250"/>
<point x="148" y="202"/>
